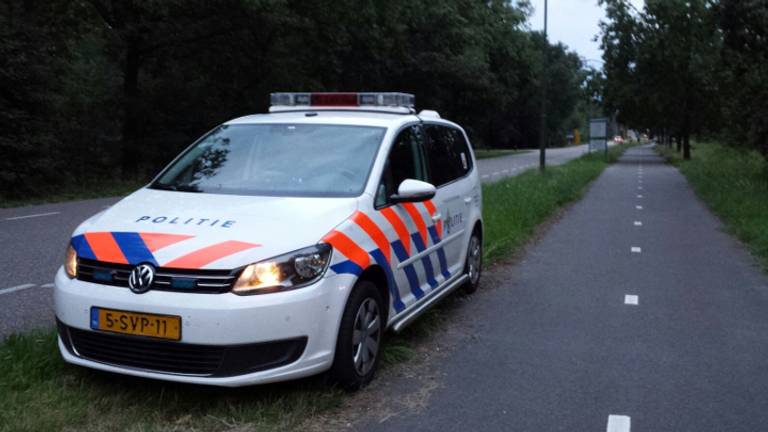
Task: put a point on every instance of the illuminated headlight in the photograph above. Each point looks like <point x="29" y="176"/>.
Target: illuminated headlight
<point x="292" y="270"/>
<point x="70" y="262"/>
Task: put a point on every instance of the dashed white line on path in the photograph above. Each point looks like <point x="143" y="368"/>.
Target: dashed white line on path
<point x="639" y="196"/>
<point x="31" y="216"/>
<point x="48" y="285"/>
<point x="16" y="288"/>
<point x="638" y="223"/>
<point x="639" y="188"/>
<point x="618" y="423"/>
<point x="639" y="207"/>
<point x="636" y="249"/>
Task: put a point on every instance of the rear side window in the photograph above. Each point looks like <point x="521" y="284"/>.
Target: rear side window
<point x="448" y="154"/>
<point x="405" y="161"/>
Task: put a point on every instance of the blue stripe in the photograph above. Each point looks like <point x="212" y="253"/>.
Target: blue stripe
<point x="94" y="318"/>
<point x="82" y="248"/>
<point x="133" y="247"/>
<point x="347" y="267"/>
<point x="440" y="253"/>
<point x="410" y="272"/>
<point x="425" y="260"/>
<point x="397" y="303"/>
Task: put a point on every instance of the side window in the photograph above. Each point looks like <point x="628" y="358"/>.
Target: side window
<point x="405" y="161"/>
<point x="448" y="153"/>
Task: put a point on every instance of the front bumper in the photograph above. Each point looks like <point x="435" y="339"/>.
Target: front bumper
<point x="237" y="340"/>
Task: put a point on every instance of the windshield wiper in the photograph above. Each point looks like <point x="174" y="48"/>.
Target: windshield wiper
<point x="177" y="187"/>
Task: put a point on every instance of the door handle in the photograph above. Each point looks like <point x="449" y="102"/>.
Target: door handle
<point x="436" y="217"/>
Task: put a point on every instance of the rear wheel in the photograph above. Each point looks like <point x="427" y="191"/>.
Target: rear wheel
<point x="360" y="337"/>
<point x="474" y="263"/>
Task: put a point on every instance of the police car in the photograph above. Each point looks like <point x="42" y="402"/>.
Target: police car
<point x="278" y="246"/>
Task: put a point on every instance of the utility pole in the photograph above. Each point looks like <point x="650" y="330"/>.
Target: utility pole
<point x="543" y="130"/>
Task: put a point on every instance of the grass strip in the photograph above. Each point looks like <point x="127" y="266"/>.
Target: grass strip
<point x="492" y="153"/>
<point x="733" y="182"/>
<point x="41" y="393"/>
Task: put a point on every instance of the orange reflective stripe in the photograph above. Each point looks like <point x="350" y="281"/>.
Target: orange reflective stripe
<point x="374" y="232"/>
<point x="349" y="248"/>
<point x="155" y="241"/>
<point x="430" y="207"/>
<point x="105" y="247"/>
<point x="413" y="212"/>
<point x="431" y="210"/>
<point x="399" y="227"/>
<point x="209" y="254"/>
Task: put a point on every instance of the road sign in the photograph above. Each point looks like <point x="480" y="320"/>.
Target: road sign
<point x="598" y="134"/>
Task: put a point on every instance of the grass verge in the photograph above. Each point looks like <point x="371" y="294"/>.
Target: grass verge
<point x="492" y="153"/>
<point x="86" y="190"/>
<point x="734" y="184"/>
<point x="41" y="393"/>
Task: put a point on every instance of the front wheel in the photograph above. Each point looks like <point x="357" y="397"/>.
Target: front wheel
<point x="360" y="337"/>
<point x="474" y="263"/>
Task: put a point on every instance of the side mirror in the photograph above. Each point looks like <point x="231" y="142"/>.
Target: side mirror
<point x="411" y="190"/>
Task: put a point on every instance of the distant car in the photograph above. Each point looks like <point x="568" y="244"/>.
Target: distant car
<point x="278" y="246"/>
<point x="618" y="139"/>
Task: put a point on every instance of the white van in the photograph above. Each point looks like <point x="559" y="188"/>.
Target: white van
<point x="278" y="246"/>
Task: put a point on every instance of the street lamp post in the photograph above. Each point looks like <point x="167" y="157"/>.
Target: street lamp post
<point x="543" y="131"/>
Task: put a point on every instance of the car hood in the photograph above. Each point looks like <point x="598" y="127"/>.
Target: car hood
<point x="199" y="230"/>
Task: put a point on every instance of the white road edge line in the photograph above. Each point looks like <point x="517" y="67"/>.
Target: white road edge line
<point x="31" y="216"/>
<point x="638" y="223"/>
<point x="16" y="288"/>
<point x="48" y="285"/>
<point x="636" y="249"/>
<point x="618" y="423"/>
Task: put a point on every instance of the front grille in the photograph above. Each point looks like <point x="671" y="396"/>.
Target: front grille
<point x="180" y="358"/>
<point x="199" y="281"/>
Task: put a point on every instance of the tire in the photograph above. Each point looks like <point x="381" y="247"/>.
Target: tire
<point x="358" y="349"/>
<point x="474" y="264"/>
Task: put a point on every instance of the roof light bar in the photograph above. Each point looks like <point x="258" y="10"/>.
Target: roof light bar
<point x="367" y="99"/>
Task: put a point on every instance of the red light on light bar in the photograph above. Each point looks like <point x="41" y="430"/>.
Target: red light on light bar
<point x="334" y="99"/>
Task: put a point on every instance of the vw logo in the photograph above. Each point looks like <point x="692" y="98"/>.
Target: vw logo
<point x="141" y="278"/>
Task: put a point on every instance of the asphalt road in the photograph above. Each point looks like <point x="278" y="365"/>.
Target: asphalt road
<point x="33" y="240"/>
<point x="634" y="309"/>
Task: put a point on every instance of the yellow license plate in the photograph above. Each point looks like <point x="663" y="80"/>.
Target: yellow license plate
<point x="135" y="323"/>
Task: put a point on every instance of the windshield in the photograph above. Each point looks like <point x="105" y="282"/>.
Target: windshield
<point x="277" y="160"/>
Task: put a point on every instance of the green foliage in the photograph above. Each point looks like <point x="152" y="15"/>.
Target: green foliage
<point x="115" y="88"/>
<point x="660" y="63"/>
<point x="683" y="67"/>
<point x="744" y="72"/>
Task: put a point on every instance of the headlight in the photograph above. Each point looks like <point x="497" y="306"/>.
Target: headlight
<point x="70" y="262"/>
<point x="292" y="270"/>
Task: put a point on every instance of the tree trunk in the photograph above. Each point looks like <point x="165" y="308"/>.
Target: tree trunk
<point x="679" y="143"/>
<point x="687" y="146"/>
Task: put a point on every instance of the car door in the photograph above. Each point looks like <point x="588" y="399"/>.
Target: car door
<point x="415" y="270"/>
<point x="449" y="164"/>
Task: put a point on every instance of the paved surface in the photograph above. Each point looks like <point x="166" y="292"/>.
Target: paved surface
<point x="33" y="241"/>
<point x="494" y="169"/>
<point x="557" y="344"/>
<point x="34" y="238"/>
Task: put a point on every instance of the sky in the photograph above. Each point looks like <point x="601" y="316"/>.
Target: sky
<point x="574" y="23"/>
